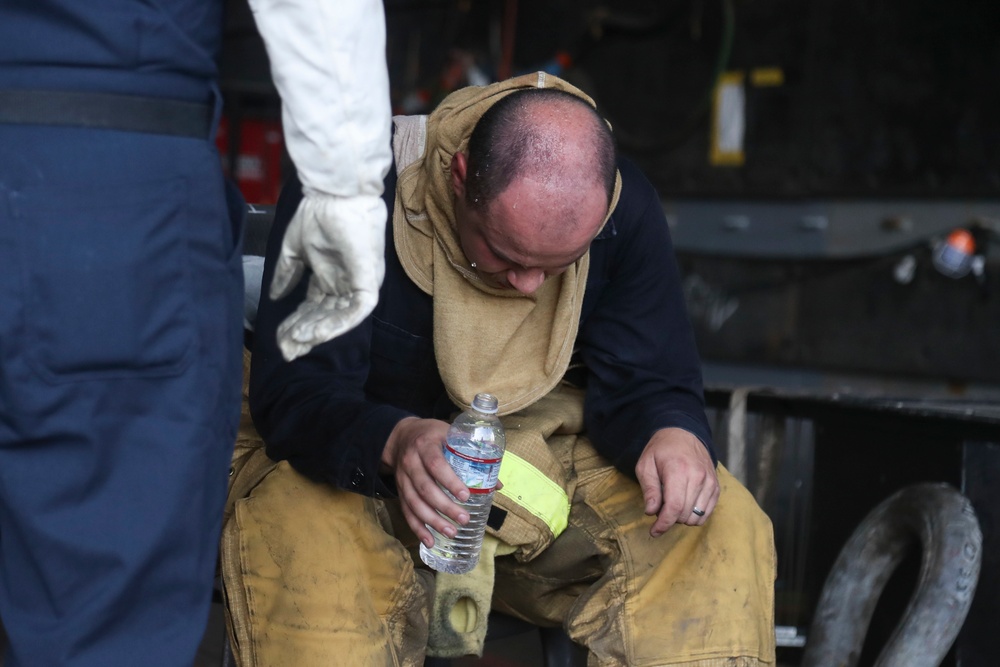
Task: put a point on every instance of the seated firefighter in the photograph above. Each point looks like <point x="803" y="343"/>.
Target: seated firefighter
<point x="524" y="259"/>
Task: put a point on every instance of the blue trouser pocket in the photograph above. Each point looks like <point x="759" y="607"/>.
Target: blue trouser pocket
<point x="105" y="289"/>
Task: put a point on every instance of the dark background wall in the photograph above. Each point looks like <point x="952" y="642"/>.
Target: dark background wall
<point x="883" y="98"/>
<point x="879" y="98"/>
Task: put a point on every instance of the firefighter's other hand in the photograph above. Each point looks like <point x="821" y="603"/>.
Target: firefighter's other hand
<point x="678" y="480"/>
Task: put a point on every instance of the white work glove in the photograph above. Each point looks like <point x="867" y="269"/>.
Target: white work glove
<point x="328" y="64"/>
<point x="342" y="239"/>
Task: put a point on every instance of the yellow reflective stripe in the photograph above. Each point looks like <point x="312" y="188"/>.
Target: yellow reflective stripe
<point x="525" y="485"/>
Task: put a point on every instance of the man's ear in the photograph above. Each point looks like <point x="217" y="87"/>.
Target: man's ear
<point x="459" y="164"/>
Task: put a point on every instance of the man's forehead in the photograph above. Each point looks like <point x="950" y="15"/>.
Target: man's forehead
<point x="519" y="227"/>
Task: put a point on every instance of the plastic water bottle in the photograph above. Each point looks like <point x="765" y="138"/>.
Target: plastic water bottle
<point x="475" y="446"/>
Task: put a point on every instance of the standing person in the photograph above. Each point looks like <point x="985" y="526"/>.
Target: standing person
<point x="121" y="299"/>
<point x="525" y="260"/>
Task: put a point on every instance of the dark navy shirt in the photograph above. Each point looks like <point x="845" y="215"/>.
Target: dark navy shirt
<point x="330" y="412"/>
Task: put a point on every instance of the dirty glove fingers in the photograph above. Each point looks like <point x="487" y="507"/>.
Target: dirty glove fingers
<point x="339" y="314"/>
<point x="300" y="326"/>
<point x="342" y="240"/>
<point x="315" y="322"/>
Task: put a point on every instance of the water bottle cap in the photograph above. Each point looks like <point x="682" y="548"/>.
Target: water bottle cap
<point x="487" y="403"/>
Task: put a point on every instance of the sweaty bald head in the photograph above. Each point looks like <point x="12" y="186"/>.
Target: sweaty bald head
<point x="550" y="138"/>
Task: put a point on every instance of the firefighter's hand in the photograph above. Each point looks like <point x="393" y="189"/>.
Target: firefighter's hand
<point x="676" y="475"/>
<point x="342" y="239"/>
<point x="414" y="455"/>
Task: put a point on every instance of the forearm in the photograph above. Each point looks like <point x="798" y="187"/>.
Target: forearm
<point x="325" y="431"/>
<point x="637" y="344"/>
<point x="328" y="63"/>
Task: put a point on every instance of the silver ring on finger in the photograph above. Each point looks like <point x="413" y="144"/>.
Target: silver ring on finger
<point x="697" y="511"/>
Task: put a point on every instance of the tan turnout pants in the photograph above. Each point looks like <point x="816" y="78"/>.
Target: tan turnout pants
<point x="315" y="575"/>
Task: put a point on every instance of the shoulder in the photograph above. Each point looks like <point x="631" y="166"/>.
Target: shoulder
<point x="639" y="209"/>
<point x="637" y="194"/>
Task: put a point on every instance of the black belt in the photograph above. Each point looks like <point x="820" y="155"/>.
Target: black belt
<point x="106" y="111"/>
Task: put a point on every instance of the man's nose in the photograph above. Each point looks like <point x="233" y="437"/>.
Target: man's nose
<point x="526" y="281"/>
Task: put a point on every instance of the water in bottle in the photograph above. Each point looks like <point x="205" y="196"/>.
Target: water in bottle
<point x="474" y="450"/>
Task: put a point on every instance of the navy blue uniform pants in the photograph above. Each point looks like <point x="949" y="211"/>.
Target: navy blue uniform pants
<point x="120" y="336"/>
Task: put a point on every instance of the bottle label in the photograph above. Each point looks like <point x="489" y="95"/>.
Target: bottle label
<point x="479" y="474"/>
